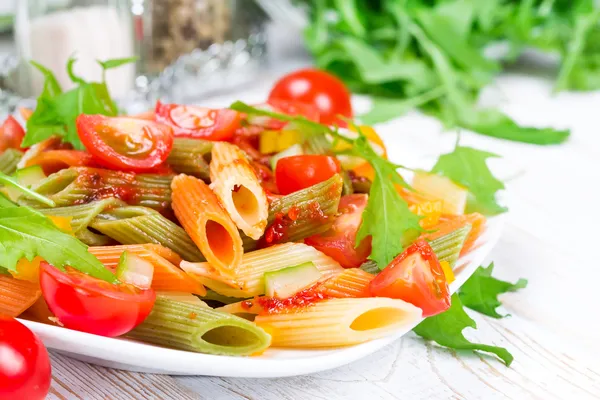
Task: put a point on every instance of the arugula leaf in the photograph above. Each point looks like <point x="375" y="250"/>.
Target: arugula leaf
<point x="480" y="292"/>
<point x="467" y="167"/>
<point x="10" y="181"/>
<point x="26" y="233"/>
<point x="387" y="218"/>
<point x="116" y="62"/>
<point x="446" y="330"/>
<point x="385" y="108"/>
<point x="57" y="111"/>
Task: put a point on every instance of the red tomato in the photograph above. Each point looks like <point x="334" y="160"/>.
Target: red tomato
<point x="198" y="122"/>
<point x="318" y="88"/>
<point x="339" y="242"/>
<point x="128" y="144"/>
<point x="11" y="134"/>
<point x="415" y="276"/>
<point x="24" y="363"/>
<point x="91" y="305"/>
<point x="298" y="172"/>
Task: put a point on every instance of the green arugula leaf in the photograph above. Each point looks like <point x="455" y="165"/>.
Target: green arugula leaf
<point x="446" y="330"/>
<point x="387" y="218"/>
<point x="116" y="62"/>
<point x="480" y="292"/>
<point x="57" y="111"/>
<point x="10" y="181"/>
<point x="467" y="167"/>
<point x="26" y="233"/>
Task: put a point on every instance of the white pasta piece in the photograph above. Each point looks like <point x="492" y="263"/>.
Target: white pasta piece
<point x="339" y="322"/>
<point x="249" y="276"/>
<point x="236" y="185"/>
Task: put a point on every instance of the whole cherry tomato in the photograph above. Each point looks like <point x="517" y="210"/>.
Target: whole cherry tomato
<point x="11" y="134"/>
<point x="299" y="172"/>
<point x="25" y="371"/>
<point x="318" y="88"/>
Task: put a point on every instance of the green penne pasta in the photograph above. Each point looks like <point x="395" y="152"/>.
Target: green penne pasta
<point x="9" y="160"/>
<point x="347" y="188"/>
<point x="83" y="215"/>
<point x="81" y="185"/>
<point x="139" y="225"/>
<point x="370" y="266"/>
<point x="191" y="157"/>
<point x="448" y="247"/>
<point x="199" y="328"/>
<point x="304" y="213"/>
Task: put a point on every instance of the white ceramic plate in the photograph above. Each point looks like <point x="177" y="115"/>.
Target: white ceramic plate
<point x="140" y="357"/>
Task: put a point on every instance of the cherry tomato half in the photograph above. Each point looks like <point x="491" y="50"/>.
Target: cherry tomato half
<point x="24" y="363"/>
<point x="415" y="276"/>
<point x="11" y="134"/>
<point x="88" y="304"/>
<point x="198" y="122"/>
<point x="129" y="144"/>
<point x="298" y="172"/>
<point x="339" y="242"/>
<point x="318" y="88"/>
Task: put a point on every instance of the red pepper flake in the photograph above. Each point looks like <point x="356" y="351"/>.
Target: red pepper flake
<point x="302" y="299"/>
<point x="193" y="315"/>
<point x="236" y="188"/>
<point x="293" y="213"/>
<point x="247" y="304"/>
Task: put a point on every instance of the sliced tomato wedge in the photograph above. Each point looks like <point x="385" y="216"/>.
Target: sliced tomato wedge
<point x="11" y="134"/>
<point x="339" y="242"/>
<point x="416" y="277"/>
<point x="198" y="122"/>
<point x="128" y="144"/>
<point x="52" y="161"/>
<point x="299" y="172"/>
<point x="88" y="304"/>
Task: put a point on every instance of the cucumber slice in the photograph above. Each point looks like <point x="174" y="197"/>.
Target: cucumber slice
<point x="25" y="177"/>
<point x="287" y="282"/>
<point x="135" y="270"/>
<point x="295" y="150"/>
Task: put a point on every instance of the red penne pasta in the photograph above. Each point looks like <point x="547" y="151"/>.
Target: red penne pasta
<point x="167" y="276"/>
<point x="352" y="282"/>
<point x="207" y="223"/>
<point x="17" y="295"/>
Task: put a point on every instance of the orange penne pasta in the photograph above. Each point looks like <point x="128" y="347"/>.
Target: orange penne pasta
<point x="449" y="223"/>
<point x="207" y="223"/>
<point x="352" y="282"/>
<point x="17" y="295"/>
<point x="238" y="188"/>
<point x="167" y="276"/>
<point x="410" y="196"/>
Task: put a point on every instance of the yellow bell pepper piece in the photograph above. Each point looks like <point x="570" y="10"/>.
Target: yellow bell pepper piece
<point x="28" y="270"/>
<point x="62" y="223"/>
<point x="430" y="210"/>
<point x="447" y="271"/>
<point x="276" y="141"/>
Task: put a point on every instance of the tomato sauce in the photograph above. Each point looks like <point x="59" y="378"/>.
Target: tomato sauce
<point x="302" y="299"/>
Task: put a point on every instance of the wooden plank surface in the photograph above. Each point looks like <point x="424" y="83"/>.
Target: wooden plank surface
<point x="554" y="194"/>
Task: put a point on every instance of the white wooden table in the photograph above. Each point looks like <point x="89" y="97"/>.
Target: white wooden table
<point x="553" y="226"/>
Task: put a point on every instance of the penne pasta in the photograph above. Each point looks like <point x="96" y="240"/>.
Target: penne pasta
<point x="17" y="295"/>
<point x="351" y="282"/>
<point x="339" y="322"/>
<point x="81" y="217"/>
<point x="207" y="223"/>
<point x="249" y="278"/>
<point x="81" y="185"/>
<point x="9" y="160"/>
<point x="167" y="276"/>
<point x="141" y="225"/>
<point x="191" y="157"/>
<point x="236" y="185"/>
<point x="450" y="223"/>
<point x="198" y="328"/>
<point x="301" y="214"/>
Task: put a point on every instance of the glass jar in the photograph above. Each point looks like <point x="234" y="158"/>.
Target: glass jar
<point x="49" y="32"/>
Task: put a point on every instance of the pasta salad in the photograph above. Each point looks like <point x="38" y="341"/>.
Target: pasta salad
<point x="227" y="231"/>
